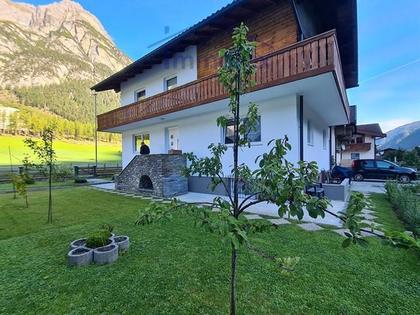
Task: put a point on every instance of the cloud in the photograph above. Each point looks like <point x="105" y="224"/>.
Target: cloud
<point x="388" y="125"/>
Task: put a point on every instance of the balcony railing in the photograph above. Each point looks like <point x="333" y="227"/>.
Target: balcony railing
<point x="358" y="147"/>
<point x="310" y="57"/>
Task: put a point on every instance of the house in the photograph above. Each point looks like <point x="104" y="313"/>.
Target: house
<point x="306" y="58"/>
<point x="354" y="142"/>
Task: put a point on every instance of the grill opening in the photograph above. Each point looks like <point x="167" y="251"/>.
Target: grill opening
<point x="145" y="183"/>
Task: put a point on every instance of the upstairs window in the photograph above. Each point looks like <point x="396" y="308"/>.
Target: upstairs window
<point x="171" y="83"/>
<point x="309" y="133"/>
<point x="253" y="136"/>
<point x="140" y="95"/>
<point x="360" y="140"/>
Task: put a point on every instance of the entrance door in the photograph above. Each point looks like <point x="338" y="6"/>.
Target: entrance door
<point x="173" y="141"/>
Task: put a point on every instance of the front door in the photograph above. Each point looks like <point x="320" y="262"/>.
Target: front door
<point x="173" y="141"/>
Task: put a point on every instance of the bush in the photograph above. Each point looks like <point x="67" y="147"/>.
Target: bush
<point x="80" y="180"/>
<point x="60" y="173"/>
<point x="98" y="238"/>
<point x="29" y="180"/>
<point x="406" y="203"/>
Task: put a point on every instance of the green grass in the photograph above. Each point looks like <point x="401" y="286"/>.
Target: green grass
<point x="176" y="268"/>
<point x="4" y="187"/>
<point x="385" y="213"/>
<point x="68" y="152"/>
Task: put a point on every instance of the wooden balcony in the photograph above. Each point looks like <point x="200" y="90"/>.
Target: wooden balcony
<point x="310" y="57"/>
<point x="358" y="147"/>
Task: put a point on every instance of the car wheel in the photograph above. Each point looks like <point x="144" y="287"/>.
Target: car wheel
<point x="405" y="179"/>
<point x="358" y="177"/>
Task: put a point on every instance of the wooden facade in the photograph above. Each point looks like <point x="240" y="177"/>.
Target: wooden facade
<point x="273" y="27"/>
<point x="311" y="57"/>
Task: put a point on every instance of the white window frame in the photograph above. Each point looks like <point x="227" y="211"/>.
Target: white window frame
<point x="254" y="143"/>
<point x="138" y="91"/>
<point x="355" y="153"/>
<point x="165" y="82"/>
<point x="142" y="134"/>
<point x="324" y="138"/>
<point x="309" y="133"/>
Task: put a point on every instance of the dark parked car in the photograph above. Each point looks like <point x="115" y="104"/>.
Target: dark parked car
<point x="381" y="169"/>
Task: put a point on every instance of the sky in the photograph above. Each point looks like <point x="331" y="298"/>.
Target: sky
<point x="389" y="46"/>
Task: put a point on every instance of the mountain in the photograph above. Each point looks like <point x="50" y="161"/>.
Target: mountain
<point x="48" y="44"/>
<point x="405" y="137"/>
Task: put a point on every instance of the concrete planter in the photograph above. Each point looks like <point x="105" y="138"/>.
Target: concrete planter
<point x="78" y="243"/>
<point x="123" y="242"/>
<point x="80" y="256"/>
<point x="337" y="191"/>
<point x="106" y="254"/>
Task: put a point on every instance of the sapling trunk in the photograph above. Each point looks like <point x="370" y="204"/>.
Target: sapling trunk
<point x="49" y="194"/>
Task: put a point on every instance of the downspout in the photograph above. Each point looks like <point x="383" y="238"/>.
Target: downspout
<point x="330" y="147"/>
<point x="301" y="155"/>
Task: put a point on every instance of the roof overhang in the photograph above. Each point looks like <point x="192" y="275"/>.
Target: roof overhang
<point x="333" y="14"/>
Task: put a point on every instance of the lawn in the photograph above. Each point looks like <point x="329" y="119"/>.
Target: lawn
<point x="385" y="213"/>
<point x="176" y="268"/>
<point x="67" y="151"/>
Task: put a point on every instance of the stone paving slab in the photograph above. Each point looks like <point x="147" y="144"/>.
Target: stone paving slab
<point x="371" y="235"/>
<point x="341" y="232"/>
<point x="253" y="216"/>
<point x="279" y="221"/>
<point x="310" y="227"/>
<point x="216" y="210"/>
<point x="369" y="217"/>
<point x="367" y="211"/>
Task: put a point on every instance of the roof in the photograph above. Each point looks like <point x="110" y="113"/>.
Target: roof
<point x="373" y="130"/>
<point x="231" y="15"/>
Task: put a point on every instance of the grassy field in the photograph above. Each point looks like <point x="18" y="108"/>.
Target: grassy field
<point x="68" y="152"/>
<point x="176" y="268"/>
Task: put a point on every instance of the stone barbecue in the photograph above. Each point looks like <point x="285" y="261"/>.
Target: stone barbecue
<point x="155" y="174"/>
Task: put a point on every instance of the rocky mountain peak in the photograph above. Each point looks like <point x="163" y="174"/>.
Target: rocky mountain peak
<point x="62" y="40"/>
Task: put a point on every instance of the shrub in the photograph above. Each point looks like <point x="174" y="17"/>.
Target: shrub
<point x="60" y="173"/>
<point x="80" y="180"/>
<point x="98" y="238"/>
<point x="406" y="203"/>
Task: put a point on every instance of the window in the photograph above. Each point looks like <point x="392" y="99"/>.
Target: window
<point x="324" y="139"/>
<point x="171" y="83"/>
<point x="310" y="133"/>
<point x="253" y="136"/>
<point x="359" y="140"/>
<point x="383" y="164"/>
<point x="368" y="164"/>
<point x="355" y="156"/>
<point x="138" y="139"/>
<point x="140" y="95"/>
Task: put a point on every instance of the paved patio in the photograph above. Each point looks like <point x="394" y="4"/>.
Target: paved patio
<point x="263" y="209"/>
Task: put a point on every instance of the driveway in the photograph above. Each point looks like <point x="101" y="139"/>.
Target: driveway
<point x="368" y="186"/>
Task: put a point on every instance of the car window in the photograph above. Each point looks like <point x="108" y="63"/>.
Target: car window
<point x="383" y="164"/>
<point x="368" y="164"/>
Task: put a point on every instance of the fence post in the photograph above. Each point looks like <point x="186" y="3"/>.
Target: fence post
<point x="94" y="170"/>
<point x="76" y="171"/>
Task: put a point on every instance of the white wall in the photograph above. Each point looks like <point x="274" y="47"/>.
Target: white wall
<point x="363" y="154"/>
<point x="278" y="118"/>
<point x="315" y="151"/>
<point x="183" y="65"/>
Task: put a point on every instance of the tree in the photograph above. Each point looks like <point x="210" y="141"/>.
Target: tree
<point x="275" y="180"/>
<point x="19" y="181"/>
<point x="44" y="150"/>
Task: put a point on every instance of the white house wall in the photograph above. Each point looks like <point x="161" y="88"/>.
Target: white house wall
<point x="183" y="65"/>
<point x="279" y="117"/>
<point x="315" y="151"/>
